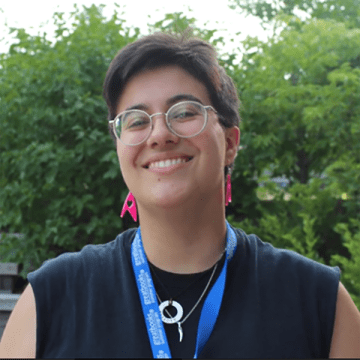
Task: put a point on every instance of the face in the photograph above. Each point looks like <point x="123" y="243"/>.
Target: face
<point x="200" y="175"/>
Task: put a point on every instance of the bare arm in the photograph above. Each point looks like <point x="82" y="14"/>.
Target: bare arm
<point x="346" y="336"/>
<point x="19" y="337"/>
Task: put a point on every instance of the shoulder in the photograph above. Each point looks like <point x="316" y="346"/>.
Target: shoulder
<point x="74" y="270"/>
<point x="346" y="334"/>
<point x="272" y="257"/>
<point x="282" y="268"/>
<point x="87" y="259"/>
<point x="19" y="337"/>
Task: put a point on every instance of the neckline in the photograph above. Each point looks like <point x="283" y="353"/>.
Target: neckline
<point x="188" y="276"/>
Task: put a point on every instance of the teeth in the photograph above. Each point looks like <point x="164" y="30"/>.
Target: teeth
<point x="166" y="163"/>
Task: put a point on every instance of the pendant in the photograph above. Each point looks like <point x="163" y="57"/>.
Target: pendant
<point x="180" y="332"/>
<point x="171" y="320"/>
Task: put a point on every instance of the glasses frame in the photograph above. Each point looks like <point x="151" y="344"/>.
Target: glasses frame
<point x="205" y="110"/>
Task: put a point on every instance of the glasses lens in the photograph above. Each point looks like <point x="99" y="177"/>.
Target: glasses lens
<point x="187" y="118"/>
<point x="132" y="127"/>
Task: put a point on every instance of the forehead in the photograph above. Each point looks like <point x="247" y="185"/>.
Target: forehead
<point x="153" y="88"/>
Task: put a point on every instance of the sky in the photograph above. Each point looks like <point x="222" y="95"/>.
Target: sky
<point x="30" y="14"/>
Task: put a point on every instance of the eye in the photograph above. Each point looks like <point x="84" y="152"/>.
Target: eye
<point x="185" y="112"/>
<point x="135" y="121"/>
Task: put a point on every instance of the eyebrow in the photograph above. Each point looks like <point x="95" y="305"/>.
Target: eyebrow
<point x="181" y="97"/>
<point x="169" y="102"/>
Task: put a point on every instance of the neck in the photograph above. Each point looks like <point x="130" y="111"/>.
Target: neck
<point x="183" y="242"/>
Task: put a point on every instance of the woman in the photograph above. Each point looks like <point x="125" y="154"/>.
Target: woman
<point x="184" y="283"/>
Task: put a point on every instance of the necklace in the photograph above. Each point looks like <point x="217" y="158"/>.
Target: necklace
<point x="164" y="304"/>
<point x="152" y="267"/>
<point x="175" y="319"/>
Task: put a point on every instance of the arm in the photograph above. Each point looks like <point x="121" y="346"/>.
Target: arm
<point x="346" y="335"/>
<point x="19" y="337"/>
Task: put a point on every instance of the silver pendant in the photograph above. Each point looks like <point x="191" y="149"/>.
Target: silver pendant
<point x="180" y="332"/>
<point x="171" y="320"/>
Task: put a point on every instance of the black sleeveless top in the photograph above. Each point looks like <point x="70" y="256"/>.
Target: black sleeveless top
<point x="276" y="304"/>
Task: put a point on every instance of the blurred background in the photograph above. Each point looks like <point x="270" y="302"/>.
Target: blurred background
<point x="296" y="65"/>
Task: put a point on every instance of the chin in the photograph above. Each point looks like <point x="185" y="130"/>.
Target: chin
<point x="168" y="203"/>
<point x="168" y="200"/>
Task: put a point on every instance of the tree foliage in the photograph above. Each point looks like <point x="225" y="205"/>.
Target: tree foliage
<point x="60" y="183"/>
<point x="345" y="11"/>
<point x="350" y="232"/>
<point x="300" y="92"/>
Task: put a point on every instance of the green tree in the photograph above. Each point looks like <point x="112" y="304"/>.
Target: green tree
<point x="351" y="235"/>
<point x="60" y="181"/>
<point x="300" y="94"/>
<point x="346" y="11"/>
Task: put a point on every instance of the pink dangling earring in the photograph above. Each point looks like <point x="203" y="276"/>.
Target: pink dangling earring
<point x="228" y="188"/>
<point x="131" y="209"/>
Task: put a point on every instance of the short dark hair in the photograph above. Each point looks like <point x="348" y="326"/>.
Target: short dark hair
<point x="194" y="55"/>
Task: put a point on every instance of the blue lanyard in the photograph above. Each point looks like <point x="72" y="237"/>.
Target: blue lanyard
<point x="152" y="316"/>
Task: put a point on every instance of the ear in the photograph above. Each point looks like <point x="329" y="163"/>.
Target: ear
<point x="232" y="137"/>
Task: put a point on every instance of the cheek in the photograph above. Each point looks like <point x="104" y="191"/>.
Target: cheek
<point x="125" y="157"/>
<point x="213" y="145"/>
<point x="125" y="168"/>
<point x="119" y="155"/>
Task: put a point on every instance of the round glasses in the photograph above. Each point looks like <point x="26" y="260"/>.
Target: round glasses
<point x="185" y="119"/>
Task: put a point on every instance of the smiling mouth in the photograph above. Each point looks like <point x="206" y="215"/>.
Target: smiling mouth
<point x="168" y="162"/>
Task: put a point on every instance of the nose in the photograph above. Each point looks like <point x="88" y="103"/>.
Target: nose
<point x="160" y="134"/>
